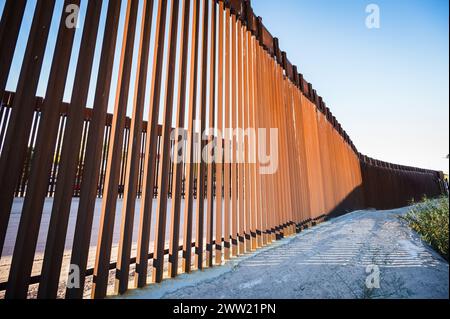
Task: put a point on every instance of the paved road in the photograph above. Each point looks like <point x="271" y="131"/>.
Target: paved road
<point x="328" y="261"/>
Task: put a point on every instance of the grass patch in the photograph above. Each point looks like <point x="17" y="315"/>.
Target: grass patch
<point x="429" y="218"/>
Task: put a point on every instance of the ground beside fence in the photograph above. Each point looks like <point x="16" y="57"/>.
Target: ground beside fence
<point x="332" y="260"/>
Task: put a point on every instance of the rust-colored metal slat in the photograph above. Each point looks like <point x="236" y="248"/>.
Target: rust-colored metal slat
<point x="151" y="147"/>
<point x="211" y="139"/>
<point x="190" y="166"/>
<point x="109" y="203"/>
<point x="135" y="143"/>
<point x="200" y="212"/>
<point x="219" y="147"/>
<point x="160" y="235"/>
<point x="227" y="141"/>
<point x="179" y="142"/>
<point x="94" y="150"/>
<point x="27" y="236"/>
<point x="10" y="23"/>
<point x="54" y="250"/>
<point x="21" y="118"/>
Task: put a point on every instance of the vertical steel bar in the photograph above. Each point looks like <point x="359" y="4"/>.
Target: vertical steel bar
<point x="160" y="235"/>
<point x="245" y="141"/>
<point x="219" y="146"/>
<point x="189" y="179"/>
<point x="253" y="144"/>
<point x="21" y="118"/>
<point x="179" y="144"/>
<point x="258" y="120"/>
<point x="152" y="150"/>
<point x="22" y="262"/>
<point x="202" y="117"/>
<point x="10" y="23"/>
<point x="211" y="165"/>
<point x="240" y="138"/>
<point x="234" y="189"/>
<point x="227" y="142"/>
<point x="109" y="203"/>
<point x="54" y="249"/>
<point x="135" y="143"/>
<point x="94" y="150"/>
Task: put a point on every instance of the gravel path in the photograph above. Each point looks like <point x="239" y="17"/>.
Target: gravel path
<point x="327" y="261"/>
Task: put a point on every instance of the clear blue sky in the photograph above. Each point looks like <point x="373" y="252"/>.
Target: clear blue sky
<point x="388" y="87"/>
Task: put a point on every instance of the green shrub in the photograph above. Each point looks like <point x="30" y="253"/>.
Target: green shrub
<point x="430" y="219"/>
